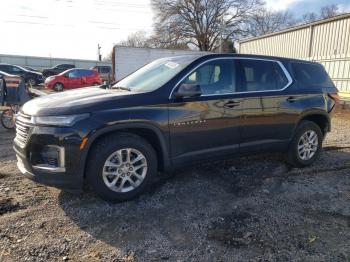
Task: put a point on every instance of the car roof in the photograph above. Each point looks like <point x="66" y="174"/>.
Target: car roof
<point x="25" y="69"/>
<point x="71" y="69"/>
<point x="278" y="58"/>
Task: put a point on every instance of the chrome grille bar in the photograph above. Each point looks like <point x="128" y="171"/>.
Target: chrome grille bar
<point x="23" y="124"/>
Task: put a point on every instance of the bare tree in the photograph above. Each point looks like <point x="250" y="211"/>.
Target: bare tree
<point x="202" y="23"/>
<point x="265" y="21"/>
<point x="108" y="57"/>
<point x="140" y="39"/>
<point x="309" y="17"/>
<point x="329" y="11"/>
<point x="137" y="39"/>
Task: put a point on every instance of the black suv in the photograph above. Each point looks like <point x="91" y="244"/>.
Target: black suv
<point x="57" y="69"/>
<point x="31" y="77"/>
<point x="171" y="112"/>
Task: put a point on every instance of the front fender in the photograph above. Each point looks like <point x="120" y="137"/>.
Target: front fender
<point x="163" y="141"/>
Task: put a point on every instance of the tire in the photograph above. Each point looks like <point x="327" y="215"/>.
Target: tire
<point x="7" y="119"/>
<point x="31" y="81"/>
<point x="300" y="145"/>
<point x="58" y="87"/>
<point x="106" y="152"/>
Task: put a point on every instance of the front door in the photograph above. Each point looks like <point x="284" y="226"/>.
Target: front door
<point x="208" y="125"/>
<point x="74" y="80"/>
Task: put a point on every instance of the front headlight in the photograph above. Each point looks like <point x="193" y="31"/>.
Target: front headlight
<point x="49" y="78"/>
<point x="68" y="120"/>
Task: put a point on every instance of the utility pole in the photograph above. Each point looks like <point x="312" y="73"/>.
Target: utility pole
<point x="99" y="52"/>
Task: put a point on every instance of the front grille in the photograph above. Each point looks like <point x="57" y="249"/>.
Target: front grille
<point x="23" y="125"/>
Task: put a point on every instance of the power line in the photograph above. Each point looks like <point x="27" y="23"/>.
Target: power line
<point x="67" y="25"/>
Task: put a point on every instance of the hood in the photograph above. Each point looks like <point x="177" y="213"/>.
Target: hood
<point x="82" y="100"/>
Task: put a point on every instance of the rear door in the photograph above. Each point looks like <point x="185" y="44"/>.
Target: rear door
<point x="208" y="125"/>
<point x="86" y="77"/>
<point x="262" y="83"/>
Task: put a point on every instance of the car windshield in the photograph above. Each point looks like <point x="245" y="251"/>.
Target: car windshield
<point x="155" y="74"/>
<point x="65" y="71"/>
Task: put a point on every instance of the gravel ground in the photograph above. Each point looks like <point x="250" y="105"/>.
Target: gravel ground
<point x="247" y="209"/>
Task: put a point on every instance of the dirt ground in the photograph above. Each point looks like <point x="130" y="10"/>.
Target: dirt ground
<point x="247" y="209"/>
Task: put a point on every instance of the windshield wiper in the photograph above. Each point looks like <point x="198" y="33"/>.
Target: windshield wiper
<point x="121" y="88"/>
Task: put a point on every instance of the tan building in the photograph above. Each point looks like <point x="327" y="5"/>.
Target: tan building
<point x="326" y="41"/>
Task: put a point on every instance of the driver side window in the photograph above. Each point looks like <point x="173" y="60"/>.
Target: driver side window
<point x="214" y="77"/>
<point x="73" y="74"/>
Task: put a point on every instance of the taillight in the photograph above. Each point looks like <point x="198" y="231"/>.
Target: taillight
<point x="335" y="97"/>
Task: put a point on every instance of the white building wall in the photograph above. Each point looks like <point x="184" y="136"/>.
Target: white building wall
<point x="326" y="42"/>
<point x="129" y="59"/>
<point x="45" y="62"/>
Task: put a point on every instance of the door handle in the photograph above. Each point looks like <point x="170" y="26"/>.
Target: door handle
<point x="231" y="104"/>
<point x="292" y="99"/>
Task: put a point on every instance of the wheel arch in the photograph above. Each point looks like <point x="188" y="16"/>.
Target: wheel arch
<point x="320" y="118"/>
<point x="148" y="132"/>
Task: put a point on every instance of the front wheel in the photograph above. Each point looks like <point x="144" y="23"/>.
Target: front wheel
<point x="31" y="81"/>
<point x="121" y="167"/>
<point x="306" y="144"/>
<point x="58" y="87"/>
<point x="8" y="119"/>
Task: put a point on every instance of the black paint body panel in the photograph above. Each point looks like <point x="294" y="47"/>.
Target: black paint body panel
<point x="187" y="130"/>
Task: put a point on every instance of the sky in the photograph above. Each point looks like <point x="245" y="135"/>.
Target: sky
<point x="74" y="28"/>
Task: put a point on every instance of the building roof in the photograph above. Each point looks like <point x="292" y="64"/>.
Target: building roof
<point x="297" y="27"/>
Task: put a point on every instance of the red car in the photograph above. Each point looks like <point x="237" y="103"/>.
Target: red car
<point x="73" y="78"/>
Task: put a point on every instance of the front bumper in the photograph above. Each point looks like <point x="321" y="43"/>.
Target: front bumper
<point x="48" y="85"/>
<point x="67" y="177"/>
<point x="40" y="80"/>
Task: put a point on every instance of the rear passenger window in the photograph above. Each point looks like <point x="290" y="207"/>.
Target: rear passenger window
<point x="311" y="74"/>
<point x="260" y="75"/>
<point x="85" y="72"/>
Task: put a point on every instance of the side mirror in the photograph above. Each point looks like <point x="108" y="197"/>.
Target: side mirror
<point x="188" y="90"/>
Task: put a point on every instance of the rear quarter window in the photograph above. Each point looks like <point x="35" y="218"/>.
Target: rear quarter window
<point x="311" y="74"/>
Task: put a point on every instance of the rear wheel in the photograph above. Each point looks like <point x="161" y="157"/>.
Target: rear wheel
<point x="8" y="119"/>
<point x="121" y="167"/>
<point x="58" y="87"/>
<point x="306" y="144"/>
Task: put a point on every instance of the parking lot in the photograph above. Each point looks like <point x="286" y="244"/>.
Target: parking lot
<point x="247" y="209"/>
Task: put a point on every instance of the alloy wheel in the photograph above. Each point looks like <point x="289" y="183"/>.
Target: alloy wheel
<point x="308" y="145"/>
<point x="32" y="82"/>
<point x="124" y="170"/>
<point x="58" y="87"/>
